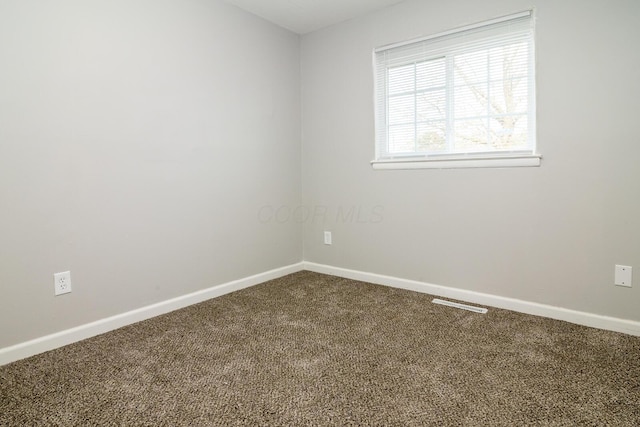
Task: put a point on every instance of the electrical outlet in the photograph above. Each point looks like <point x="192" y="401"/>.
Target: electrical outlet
<point x="327" y="237"/>
<point x="62" y="282"/>
<point x="623" y="276"/>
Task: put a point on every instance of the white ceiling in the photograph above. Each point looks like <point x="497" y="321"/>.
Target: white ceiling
<point x="304" y="16"/>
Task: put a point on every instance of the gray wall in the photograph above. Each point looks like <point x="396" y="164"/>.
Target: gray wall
<point x="138" y="142"/>
<point x="550" y="234"/>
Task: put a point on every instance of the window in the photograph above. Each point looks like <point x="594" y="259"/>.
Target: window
<point x="464" y="98"/>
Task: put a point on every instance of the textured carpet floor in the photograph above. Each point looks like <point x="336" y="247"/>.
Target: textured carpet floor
<point x="311" y="349"/>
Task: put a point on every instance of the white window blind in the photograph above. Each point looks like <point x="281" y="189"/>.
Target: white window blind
<point x="464" y="94"/>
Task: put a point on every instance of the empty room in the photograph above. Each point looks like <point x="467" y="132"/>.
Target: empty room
<point x="339" y="212"/>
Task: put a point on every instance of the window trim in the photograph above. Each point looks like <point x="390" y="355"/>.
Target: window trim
<point x="505" y="18"/>
<point x="458" y="162"/>
<point x="497" y="159"/>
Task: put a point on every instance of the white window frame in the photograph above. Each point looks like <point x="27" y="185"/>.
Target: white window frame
<point x="418" y="160"/>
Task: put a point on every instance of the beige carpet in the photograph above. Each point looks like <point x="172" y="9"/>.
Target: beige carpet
<point x="311" y="349"/>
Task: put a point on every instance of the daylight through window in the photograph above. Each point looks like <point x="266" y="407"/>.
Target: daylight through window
<point x="462" y="95"/>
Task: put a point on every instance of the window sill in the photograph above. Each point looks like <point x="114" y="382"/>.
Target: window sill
<point x="458" y="162"/>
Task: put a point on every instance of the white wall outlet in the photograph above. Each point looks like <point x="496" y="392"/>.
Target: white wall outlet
<point x="327" y="237"/>
<point x="62" y="282"/>
<point x="623" y="276"/>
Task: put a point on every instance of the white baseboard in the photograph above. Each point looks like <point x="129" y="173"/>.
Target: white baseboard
<point x="62" y="338"/>
<point x="578" y="317"/>
<point x="69" y="336"/>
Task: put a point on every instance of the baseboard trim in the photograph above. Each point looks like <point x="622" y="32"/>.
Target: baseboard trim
<point x="578" y="317"/>
<point x="69" y="336"/>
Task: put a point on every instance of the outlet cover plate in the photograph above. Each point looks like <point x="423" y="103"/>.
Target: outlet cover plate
<point x="62" y="282"/>
<point x="623" y="276"/>
<point x="327" y="238"/>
